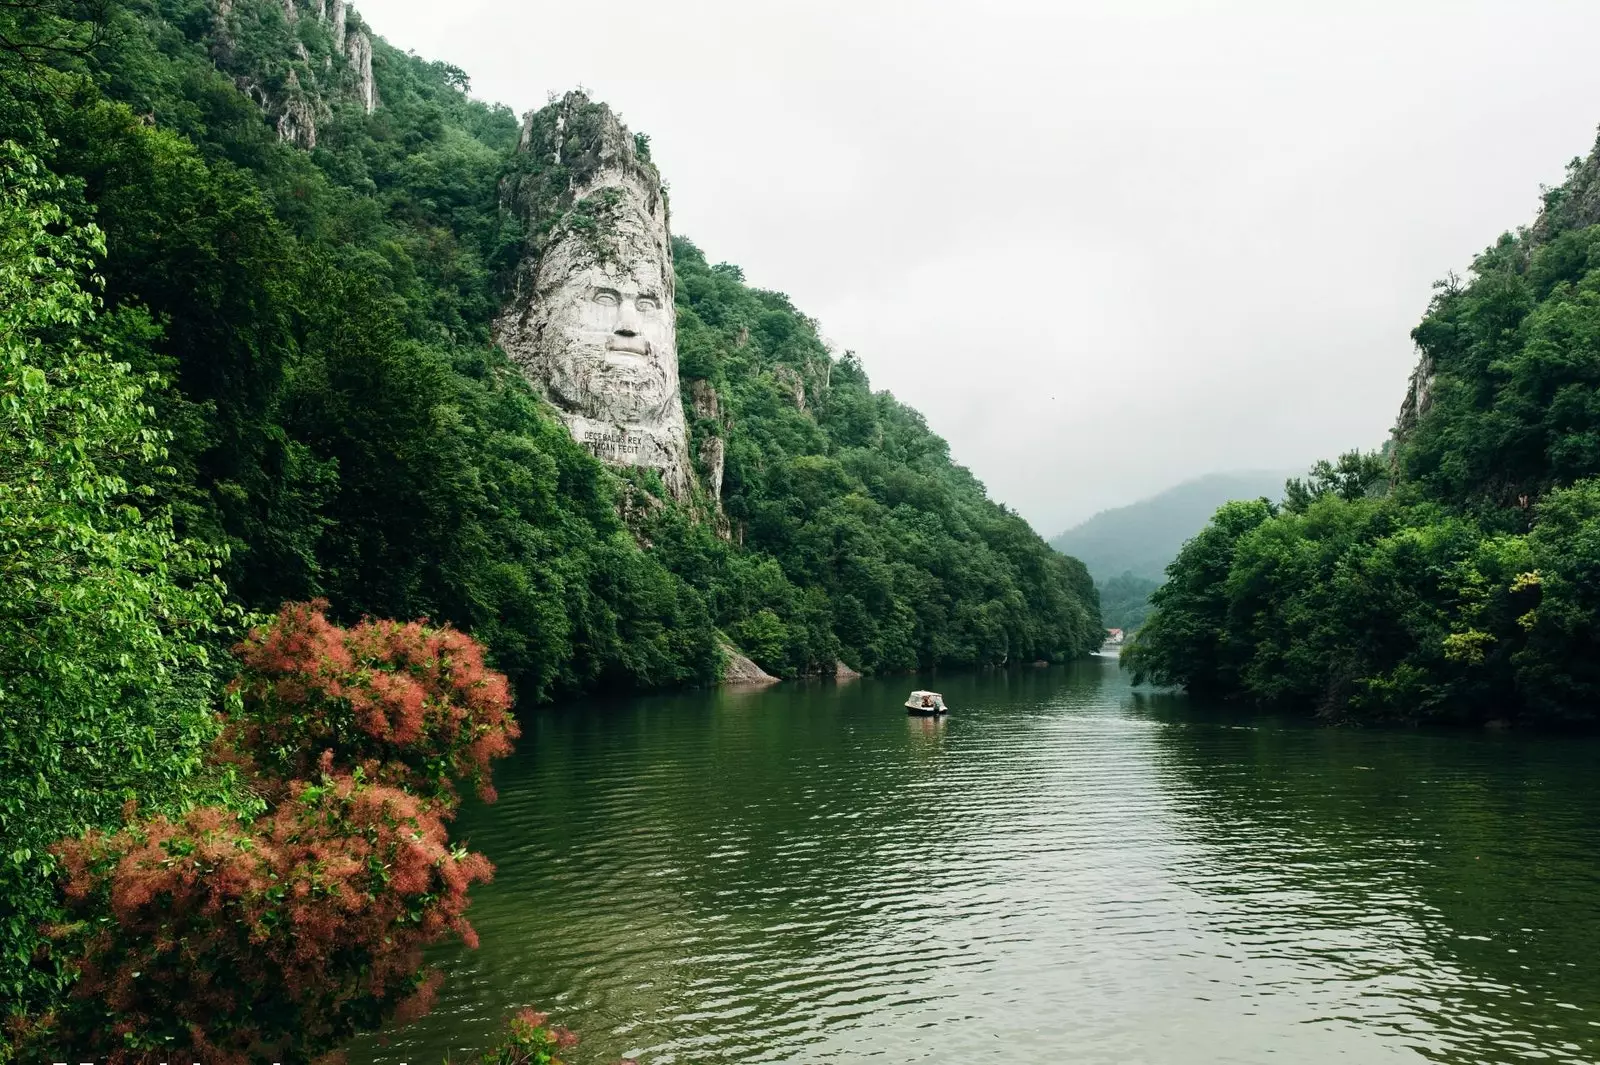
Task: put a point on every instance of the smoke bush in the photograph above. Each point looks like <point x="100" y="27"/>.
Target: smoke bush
<point x="232" y="940"/>
<point x="414" y="706"/>
<point x="531" y="1039"/>
<point x="275" y="940"/>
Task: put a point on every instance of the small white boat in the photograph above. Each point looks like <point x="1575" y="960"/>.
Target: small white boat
<point x="927" y="704"/>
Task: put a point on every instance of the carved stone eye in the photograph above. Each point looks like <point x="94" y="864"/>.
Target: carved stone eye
<point x="606" y="298"/>
<point x="645" y="303"/>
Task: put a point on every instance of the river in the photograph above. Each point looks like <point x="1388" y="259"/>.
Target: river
<point x="1066" y="869"/>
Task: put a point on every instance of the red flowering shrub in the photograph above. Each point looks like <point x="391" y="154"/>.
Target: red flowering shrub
<point x="279" y="940"/>
<point x="529" y="1040"/>
<point x="217" y="939"/>
<point x="413" y="706"/>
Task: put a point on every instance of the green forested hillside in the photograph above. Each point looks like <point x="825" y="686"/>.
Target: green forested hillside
<point x="1126" y="549"/>
<point x="345" y="428"/>
<point x="1141" y="538"/>
<point x="1125" y="601"/>
<point x="854" y="535"/>
<point x="247" y="359"/>
<point x="1455" y="580"/>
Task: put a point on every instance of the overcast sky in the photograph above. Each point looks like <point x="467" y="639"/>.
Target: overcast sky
<point x="1103" y="247"/>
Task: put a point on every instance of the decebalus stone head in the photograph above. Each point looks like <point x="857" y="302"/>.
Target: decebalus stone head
<point x="592" y="322"/>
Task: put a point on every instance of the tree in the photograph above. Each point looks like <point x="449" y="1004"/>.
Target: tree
<point x="1354" y="475"/>
<point x="36" y="34"/>
<point x="1187" y="639"/>
<point x="106" y="613"/>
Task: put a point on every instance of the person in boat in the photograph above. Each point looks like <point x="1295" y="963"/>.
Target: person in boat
<point x="927" y="701"/>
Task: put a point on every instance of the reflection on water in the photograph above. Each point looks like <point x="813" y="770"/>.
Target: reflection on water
<point x="1062" y="866"/>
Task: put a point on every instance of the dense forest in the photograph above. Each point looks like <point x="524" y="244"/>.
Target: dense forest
<point x="1125" y="600"/>
<point x="249" y="259"/>
<point x="1455" y="577"/>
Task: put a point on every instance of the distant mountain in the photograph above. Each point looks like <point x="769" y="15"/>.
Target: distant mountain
<point x="1143" y="537"/>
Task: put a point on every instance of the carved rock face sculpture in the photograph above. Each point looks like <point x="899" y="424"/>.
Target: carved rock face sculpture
<point x="592" y="323"/>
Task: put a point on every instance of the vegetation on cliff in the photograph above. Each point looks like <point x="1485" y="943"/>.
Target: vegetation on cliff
<point x="853" y="534"/>
<point x="1456" y="578"/>
<point x="241" y="365"/>
<point x="345" y="429"/>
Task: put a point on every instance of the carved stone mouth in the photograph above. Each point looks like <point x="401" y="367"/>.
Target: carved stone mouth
<point x="629" y="346"/>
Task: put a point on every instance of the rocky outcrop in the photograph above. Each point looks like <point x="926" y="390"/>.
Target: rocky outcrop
<point x="790" y="379"/>
<point x="591" y="322"/>
<point x="1418" y="399"/>
<point x="712" y="457"/>
<point x="338" y="18"/>
<point x="738" y="669"/>
<point x="223" y="38"/>
<point x="296" y="100"/>
<point x="358" y="50"/>
<point x="712" y="452"/>
<point x="297" y="122"/>
<point x="844" y="672"/>
<point x="1574" y="204"/>
<point x="703" y="396"/>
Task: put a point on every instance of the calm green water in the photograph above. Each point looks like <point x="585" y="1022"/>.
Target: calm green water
<point x="1064" y="869"/>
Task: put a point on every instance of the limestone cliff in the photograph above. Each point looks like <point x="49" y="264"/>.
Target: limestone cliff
<point x="358" y="50"/>
<point x="592" y="319"/>
<point x="1418" y="398"/>
<point x="298" y="83"/>
<point x="1574" y="204"/>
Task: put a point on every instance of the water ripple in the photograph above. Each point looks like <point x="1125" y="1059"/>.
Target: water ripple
<point x="804" y="874"/>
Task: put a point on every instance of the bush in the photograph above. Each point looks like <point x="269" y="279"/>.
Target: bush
<point x="275" y="940"/>
<point x="230" y="939"/>
<point x="414" y="707"/>
<point x="531" y="1040"/>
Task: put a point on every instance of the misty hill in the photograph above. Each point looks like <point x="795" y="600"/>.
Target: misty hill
<point x="1141" y="538"/>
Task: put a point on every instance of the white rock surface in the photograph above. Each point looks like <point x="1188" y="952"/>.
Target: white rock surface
<point x="592" y="323"/>
<point x="358" y="49"/>
<point x="336" y="23"/>
<point x="713" y="457"/>
<point x="297" y="122"/>
<point x="739" y="669"/>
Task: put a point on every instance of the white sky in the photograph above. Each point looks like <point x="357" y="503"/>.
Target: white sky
<point x="1104" y="247"/>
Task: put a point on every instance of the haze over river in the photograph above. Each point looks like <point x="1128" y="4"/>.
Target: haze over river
<point x="1063" y="870"/>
